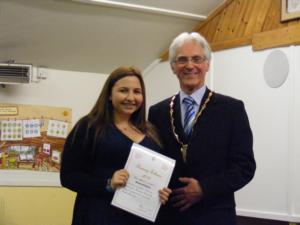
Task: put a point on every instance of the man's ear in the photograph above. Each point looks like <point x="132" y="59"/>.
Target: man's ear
<point x="172" y="67"/>
<point x="208" y="67"/>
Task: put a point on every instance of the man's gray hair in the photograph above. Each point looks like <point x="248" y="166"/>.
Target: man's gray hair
<point x="185" y="37"/>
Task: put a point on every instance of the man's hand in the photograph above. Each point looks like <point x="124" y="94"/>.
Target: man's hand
<point x="183" y="198"/>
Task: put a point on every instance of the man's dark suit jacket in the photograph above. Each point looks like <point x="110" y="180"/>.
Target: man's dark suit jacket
<point x="219" y="156"/>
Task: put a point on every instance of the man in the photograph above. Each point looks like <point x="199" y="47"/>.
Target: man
<point x="209" y="136"/>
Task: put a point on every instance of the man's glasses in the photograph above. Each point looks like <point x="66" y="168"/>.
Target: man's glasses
<point x="183" y="60"/>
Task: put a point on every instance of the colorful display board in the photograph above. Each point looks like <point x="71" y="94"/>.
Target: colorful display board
<point x="32" y="137"/>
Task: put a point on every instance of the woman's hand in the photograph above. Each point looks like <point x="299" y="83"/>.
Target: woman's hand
<point x="119" y="179"/>
<point x="164" y="195"/>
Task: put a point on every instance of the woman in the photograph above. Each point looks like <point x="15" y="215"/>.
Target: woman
<point x="97" y="148"/>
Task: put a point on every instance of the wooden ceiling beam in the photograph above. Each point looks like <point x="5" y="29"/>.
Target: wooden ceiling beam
<point x="277" y="38"/>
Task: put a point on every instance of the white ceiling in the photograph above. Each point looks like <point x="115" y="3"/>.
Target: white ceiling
<point x="67" y="35"/>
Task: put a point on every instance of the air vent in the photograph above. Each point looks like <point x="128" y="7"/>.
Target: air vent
<point x="15" y="73"/>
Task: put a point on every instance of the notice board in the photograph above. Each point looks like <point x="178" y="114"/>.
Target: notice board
<point x="31" y="141"/>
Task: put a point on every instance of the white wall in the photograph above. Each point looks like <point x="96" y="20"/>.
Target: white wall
<point x="160" y="83"/>
<point x="295" y="140"/>
<point x="76" y="90"/>
<point x="273" y="193"/>
<point x="239" y="73"/>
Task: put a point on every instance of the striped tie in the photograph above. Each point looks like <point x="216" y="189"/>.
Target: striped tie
<point x="189" y="115"/>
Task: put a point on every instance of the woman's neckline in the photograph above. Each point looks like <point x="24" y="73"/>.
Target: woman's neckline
<point x="123" y="132"/>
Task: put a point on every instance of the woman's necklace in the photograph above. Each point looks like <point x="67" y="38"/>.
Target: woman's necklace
<point x="184" y="147"/>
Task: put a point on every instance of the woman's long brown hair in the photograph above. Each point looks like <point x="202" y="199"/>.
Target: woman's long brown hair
<point x="101" y="115"/>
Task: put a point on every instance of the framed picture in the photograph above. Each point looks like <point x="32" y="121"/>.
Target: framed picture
<point x="290" y="9"/>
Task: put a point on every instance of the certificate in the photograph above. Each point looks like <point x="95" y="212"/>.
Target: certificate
<point x="149" y="172"/>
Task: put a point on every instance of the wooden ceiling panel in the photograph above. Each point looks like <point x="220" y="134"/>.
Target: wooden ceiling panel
<point x="246" y="22"/>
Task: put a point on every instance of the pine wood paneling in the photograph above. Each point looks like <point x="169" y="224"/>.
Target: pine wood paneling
<point x="211" y="29"/>
<point x="272" y="20"/>
<point x="245" y="22"/>
<point x="213" y="15"/>
<point x="253" y="17"/>
<point x="238" y="19"/>
<point x="264" y="7"/>
<point x="225" y="23"/>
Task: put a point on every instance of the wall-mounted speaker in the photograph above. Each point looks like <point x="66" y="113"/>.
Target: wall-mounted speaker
<point x="276" y="68"/>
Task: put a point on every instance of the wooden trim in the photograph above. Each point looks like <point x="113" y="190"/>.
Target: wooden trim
<point x="216" y="46"/>
<point x="276" y="38"/>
